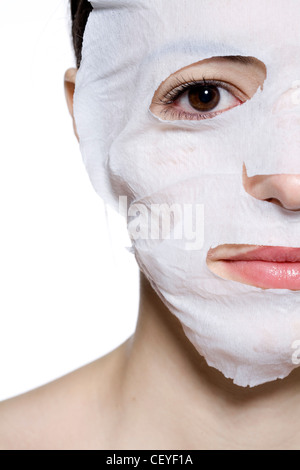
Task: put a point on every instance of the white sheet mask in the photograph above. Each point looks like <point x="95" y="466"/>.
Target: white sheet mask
<point x="130" y="47"/>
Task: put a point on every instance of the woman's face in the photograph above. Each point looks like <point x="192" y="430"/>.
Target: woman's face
<point x="198" y="121"/>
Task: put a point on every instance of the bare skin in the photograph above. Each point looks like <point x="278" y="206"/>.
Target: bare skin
<point x="155" y="391"/>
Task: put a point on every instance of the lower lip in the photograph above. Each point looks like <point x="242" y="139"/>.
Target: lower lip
<point x="265" y="274"/>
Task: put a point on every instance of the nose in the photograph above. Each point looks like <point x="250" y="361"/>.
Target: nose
<point x="283" y="190"/>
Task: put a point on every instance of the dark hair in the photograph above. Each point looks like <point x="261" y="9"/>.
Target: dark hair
<point x="80" y="10"/>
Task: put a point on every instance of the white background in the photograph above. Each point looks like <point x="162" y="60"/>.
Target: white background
<point x="68" y="286"/>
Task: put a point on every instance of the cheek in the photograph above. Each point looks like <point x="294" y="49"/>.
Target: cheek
<point x="147" y="158"/>
<point x="145" y="163"/>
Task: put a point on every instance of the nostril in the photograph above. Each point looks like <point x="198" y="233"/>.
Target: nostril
<point x="282" y="190"/>
<point x="273" y="200"/>
<point x="276" y="201"/>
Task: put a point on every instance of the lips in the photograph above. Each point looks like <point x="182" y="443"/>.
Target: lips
<point x="277" y="254"/>
<point x="268" y="267"/>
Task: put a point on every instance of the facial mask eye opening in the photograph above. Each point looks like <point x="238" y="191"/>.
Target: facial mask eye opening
<point x="207" y="88"/>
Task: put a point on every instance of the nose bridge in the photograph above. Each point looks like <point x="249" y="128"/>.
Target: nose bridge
<point x="286" y="119"/>
<point x="275" y="131"/>
<point x="281" y="183"/>
<point x="289" y="100"/>
<point x="286" y="113"/>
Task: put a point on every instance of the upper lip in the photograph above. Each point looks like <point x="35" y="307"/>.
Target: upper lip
<point x="276" y="254"/>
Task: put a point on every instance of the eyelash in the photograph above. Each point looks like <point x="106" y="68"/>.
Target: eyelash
<point x="175" y="93"/>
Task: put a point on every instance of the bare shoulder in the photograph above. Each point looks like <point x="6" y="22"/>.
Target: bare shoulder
<point x="64" y="414"/>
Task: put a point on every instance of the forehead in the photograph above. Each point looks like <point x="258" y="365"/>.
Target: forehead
<point x="238" y="23"/>
<point x="159" y="37"/>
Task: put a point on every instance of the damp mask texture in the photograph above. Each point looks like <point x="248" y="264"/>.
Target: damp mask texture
<point x="130" y="47"/>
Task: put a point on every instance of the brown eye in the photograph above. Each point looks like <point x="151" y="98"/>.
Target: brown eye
<point x="199" y="100"/>
<point x="204" y="97"/>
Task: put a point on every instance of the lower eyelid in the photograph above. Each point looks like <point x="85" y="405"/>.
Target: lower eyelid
<point x="183" y="116"/>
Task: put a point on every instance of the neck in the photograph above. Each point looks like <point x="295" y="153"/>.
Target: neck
<point x="168" y="389"/>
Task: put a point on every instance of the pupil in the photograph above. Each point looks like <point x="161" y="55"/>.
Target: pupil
<point x="206" y="95"/>
<point x="204" y="98"/>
